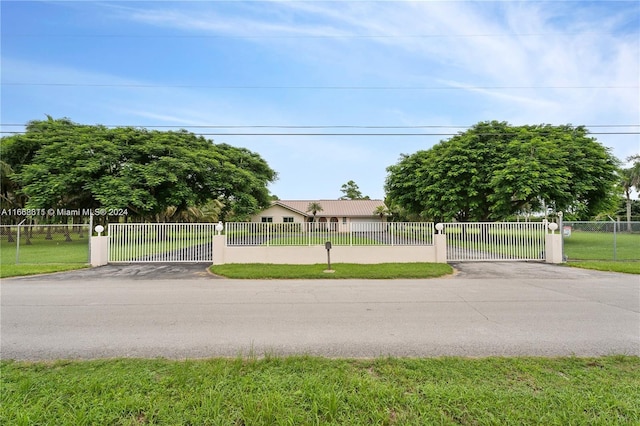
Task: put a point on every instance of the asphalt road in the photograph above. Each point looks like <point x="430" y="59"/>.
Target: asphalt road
<point x="180" y="311"/>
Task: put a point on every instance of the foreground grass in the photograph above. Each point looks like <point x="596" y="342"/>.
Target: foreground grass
<point x="7" y="271"/>
<point x="624" y="267"/>
<point x="341" y="271"/>
<point x="306" y="390"/>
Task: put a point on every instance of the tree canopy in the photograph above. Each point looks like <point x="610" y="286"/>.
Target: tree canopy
<point x="62" y="164"/>
<point x="495" y="170"/>
<point x="351" y="191"/>
<point x="629" y="179"/>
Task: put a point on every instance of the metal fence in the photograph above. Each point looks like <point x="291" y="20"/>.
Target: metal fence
<point x="495" y="241"/>
<point x="604" y="240"/>
<point x="161" y="242"/>
<point x="339" y="234"/>
<point x="44" y="244"/>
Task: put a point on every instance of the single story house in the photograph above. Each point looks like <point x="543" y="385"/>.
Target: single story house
<point x="336" y="215"/>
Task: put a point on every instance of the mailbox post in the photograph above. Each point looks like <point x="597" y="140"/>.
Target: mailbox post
<point x="327" y="245"/>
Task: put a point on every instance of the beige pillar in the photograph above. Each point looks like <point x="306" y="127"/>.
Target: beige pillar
<point x="440" y="243"/>
<point x="219" y="248"/>
<point x="553" y="248"/>
<point x="99" y="251"/>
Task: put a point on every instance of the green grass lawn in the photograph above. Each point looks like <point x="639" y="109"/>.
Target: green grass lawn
<point x="630" y="267"/>
<point x="43" y="256"/>
<point x="46" y="252"/>
<point x="599" y="246"/>
<point x="319" y="391"/>
<point x="341" y="270"/>
<point x="7" y="271"/>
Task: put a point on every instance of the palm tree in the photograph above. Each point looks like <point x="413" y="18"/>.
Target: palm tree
<point x="8" y="185"/>
<point x="205" y="213"/>
<point x="630" y="178"/>
<point x="382" y="211"/>
<point x="314" y="208"/>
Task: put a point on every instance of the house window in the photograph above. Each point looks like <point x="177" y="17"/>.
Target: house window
<point x="267" y="219"/>
<point x="287" y="219"/>
<point x="344" y="220"/>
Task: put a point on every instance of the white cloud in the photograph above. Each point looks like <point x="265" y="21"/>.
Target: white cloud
<point x="470" y="47"/>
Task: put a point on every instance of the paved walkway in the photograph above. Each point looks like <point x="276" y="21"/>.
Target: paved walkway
<point x="180" y="311"/>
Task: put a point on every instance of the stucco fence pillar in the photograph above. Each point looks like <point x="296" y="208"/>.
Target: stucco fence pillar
<point x="553" y="245"/>
<point x="99" y="250"/>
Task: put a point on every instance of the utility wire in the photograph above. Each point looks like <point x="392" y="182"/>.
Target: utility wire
<point x="346" y="87"/>
<point x="343" y="133"/>
<point x="353" y="134"/>
<point x="324" y="36"/>
<point x="217" y="126"/>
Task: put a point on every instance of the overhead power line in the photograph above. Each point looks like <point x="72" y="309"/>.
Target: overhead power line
<point x="305" y="36"/>
<point x="355" y="134"/>
<point x="337" y="87"/>
<point x="375" y="130"/>
<point x="323" y="126"/>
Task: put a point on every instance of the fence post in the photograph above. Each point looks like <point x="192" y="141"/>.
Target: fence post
<point x="350" y="233"/>
<point x="561" y="225"/>
<point x="219" y="249"/>
<point x="393" y="232"/>
<point x="99" y="247"/>
<point x="553" y="244"/>
<point x="615" y="242"/>
<point x="440" y="243"/>
<point x="90" y="234"/>
<point x="18" y="242"/>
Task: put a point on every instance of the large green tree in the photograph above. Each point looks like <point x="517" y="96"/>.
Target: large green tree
<point x="495" y="170"/>
<point x="15" y="153"/>
<point x="351" y="191"/>
<point x="61" y="164"/>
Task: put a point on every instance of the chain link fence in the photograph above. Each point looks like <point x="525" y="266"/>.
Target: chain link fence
<point x="601" y="240"/>
<point x="44" y="244"/>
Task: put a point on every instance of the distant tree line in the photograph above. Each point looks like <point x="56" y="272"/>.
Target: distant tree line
<point x="493" y="171"/>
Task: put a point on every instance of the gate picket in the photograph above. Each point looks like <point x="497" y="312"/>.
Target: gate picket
<point x="161" y="242"/>
<point x="495" y="241"/>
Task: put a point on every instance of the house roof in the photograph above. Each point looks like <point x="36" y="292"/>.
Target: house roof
<point x="337" y="208"/>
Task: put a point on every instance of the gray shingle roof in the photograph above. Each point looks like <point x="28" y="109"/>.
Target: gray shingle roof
<point x="337" y="208"/>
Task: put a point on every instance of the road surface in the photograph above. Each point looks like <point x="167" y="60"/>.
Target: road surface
<point x="180" y="311"/>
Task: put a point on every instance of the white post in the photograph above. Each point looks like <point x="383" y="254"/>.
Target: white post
<point x="18" y="242"/>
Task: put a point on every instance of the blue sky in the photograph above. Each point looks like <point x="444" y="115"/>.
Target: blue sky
<point x="274" y="67"/>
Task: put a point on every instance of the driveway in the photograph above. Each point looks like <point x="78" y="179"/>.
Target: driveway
<point x="500" y="309"/>
<point x="132" y="271"/>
